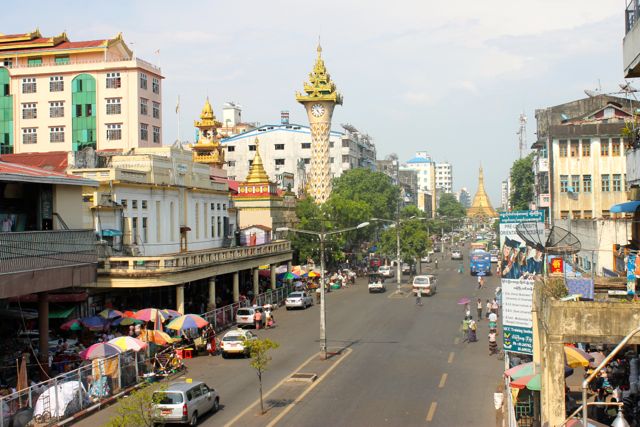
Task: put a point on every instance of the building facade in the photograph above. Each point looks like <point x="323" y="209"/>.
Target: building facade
<point x="60" y="95"/>
<point x="505" y="193"/>
<point x="464" y="197"/>
<point x="444" y="177"/>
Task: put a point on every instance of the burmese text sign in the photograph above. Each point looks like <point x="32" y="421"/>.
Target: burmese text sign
<point x="517" y="320"/>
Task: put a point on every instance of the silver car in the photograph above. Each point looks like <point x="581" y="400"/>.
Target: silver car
<point x="299" y="299"/>
<point x="184" y="402"/>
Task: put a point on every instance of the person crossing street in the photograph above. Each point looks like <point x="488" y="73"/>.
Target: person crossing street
<point x="419" y="296"/>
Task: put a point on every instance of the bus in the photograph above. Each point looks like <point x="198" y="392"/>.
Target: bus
<point x="479" y="263"/>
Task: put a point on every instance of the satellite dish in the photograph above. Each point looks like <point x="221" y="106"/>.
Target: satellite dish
<point x="591" y="93"/>
<point x="564" y="117"/>
<point x="558" y="241"/>
<point x="626" y="87"/>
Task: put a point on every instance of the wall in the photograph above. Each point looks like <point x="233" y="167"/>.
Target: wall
<point x="67" y="202"/>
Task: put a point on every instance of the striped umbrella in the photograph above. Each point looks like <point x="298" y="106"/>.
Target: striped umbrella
<point x="157" y="337"/>
<point x="519" y="371"/>
<point x="151" y="315"/>
<point x="532" y="382"/>
<point x="110" y="313"/>
<point x="171" y="314"/>
<point x="100" y="350"/>
<point x="71" y="325"/>
<point x="188" y="321"/>
<point x="94" y="323"/>
<point x="128" y="343"/>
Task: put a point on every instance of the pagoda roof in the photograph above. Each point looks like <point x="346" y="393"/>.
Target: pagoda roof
<point x="481" y="206"/>
<point x="320" y="87"/>
<point x="34" y="42"/>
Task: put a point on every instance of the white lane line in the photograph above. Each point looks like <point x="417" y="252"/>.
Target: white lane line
<point x="432" y="411"/>
<point x="443" y="380"/>
<point x="451" y="356"/>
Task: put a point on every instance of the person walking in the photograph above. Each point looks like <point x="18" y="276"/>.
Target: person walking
<point x="268" y="318"/>
<point x="436" y="262"/>
<point x="257" y="317"/>
<point x="494" y="307"/>
<point x="479" y="282"/>
<point x="488" y="309"/>
<point x="467" y="311"/>
<point x="493" y="345"/>
<point x="493" y="325"/>
<point x="479" y="309"/>
<point x="419" y="296"/>
<point x="465" y="329"/>
<point x="473" y="327"/>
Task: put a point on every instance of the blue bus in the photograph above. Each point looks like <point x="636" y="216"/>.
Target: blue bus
<point x="480" y="263"/>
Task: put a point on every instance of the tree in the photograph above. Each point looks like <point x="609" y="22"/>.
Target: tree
<point x="450" y="207"/>
<point x="522" y="180"/>
<point x="414" y="237"/>
<point x="260" y="358"/>
<point x="136" y="409"/>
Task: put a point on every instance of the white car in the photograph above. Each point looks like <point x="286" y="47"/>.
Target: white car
<point x="494" y="255"/>
<point x="426" y="284"/>
<point x="456" y="254"/>
<point x="376" y="283"/>
<point x="426" y="259"/>
<point x="385" y="270"/>
<point x="245" y="317"/>
<point x="184" y="402"/>
<point x="233" y="342"/>
<point x="298" y="299"/>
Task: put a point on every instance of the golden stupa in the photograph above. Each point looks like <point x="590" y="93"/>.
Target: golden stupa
<point x="208" y="148"/>
<point x="481" y="206"/>
<point x="257" y="174"/>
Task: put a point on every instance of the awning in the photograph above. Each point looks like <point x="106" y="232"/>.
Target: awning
<point x="625" y="207"/>
<point x="61" y="314"/>
<point x="110" y="232"/>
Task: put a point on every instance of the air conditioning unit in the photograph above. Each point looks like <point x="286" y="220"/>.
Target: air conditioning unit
<point x="105" y="199"/>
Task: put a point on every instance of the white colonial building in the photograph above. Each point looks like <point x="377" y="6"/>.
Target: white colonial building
<point x="444" y="177"/>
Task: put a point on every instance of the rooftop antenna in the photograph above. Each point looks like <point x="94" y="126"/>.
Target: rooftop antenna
<point x="522" y="133"/>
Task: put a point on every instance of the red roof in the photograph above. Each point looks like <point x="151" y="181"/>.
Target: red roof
<point x="53" y="161"/>
<point x="13" y="36"/>
<point x="60" y="46"/>
<point x="18" y="169"/>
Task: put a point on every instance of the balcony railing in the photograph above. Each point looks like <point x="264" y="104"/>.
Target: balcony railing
<point x="631" y="14"/>
<point x="37" y="250"/>
<point x="155" y="265"/>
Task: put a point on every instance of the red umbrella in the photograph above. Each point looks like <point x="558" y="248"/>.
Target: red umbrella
<point x="71" y="325"/>
<point x="100" y="350"/>
<point x="151" y="315"/>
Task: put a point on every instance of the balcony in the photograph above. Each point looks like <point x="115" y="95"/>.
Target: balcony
<point x="142" y="266"/>
<point x="631" y="41"/>
<point x="540" y="165"/>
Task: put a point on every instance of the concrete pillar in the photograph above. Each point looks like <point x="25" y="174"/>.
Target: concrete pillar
<point x="552" y="393"/>
<point x="256" y="282"/>
<point x="180" y="299"/>
<point x="236" y="286"/>
<point x="273" y="276"/>
<point x="43" y="326"/>
<point x="212" y="292"/>
<point x="289" y="266"/>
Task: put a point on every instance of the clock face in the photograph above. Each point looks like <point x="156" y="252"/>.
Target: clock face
<point x="317" y="110"/>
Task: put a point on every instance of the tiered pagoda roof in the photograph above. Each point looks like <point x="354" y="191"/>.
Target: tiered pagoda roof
<point x="320" y="87"/>
<point x="208" y="149"/>
<point x="481" y="206"/>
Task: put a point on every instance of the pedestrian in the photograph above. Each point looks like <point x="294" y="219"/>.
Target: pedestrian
<point x="493" y="345"/>
<point x="419" y="296"/>
<point x="436" y="264"/>
<point x="257" y="317"/>
<point x="479" y="282"/>
<point x="488" y="309"/>
<point x="465" y="329"/>
<point x="473" y="327"/>
<point x="494" y="307"/>
<point x="493" y="322"/>
<point x="479" y="309"/>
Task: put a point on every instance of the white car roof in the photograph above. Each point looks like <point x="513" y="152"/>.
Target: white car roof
<point x="235" y="332"/>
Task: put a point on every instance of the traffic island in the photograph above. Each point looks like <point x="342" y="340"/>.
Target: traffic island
<point x="290" y="391"/>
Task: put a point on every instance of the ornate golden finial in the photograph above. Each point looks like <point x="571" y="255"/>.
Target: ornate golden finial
<point x="320" y="87"/>
<point x="257" y="172"/>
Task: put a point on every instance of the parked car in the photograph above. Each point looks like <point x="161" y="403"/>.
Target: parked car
<point x="184" y="403"/>
<point x="233" y="342"/>
<point x="385" y="270"/>
<point x="426" y="283"/>
<point x="245" y="317"/>
<point x="299" y="299"/>
<point x="426" y="258"/>
<point x="406" y="268"/>
<point x="494" y="255"/>
<point x="456" y="254"/>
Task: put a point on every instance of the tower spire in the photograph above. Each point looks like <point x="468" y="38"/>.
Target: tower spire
<point x="257" y="172"/>
<point x="481" y="205"/>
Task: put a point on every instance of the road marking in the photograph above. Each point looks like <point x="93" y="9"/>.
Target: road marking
<point x="432" y="411"/>
<point x="443" y="380"/>
<point x="451" y="356"/>
<point x="308" y="390"/>
<point x="456" y="340"/>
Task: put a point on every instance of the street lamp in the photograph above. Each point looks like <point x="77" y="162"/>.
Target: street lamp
<point x="322" y="236"/>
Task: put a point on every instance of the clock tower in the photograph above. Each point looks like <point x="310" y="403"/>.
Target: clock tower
<point x="319" y="99"/>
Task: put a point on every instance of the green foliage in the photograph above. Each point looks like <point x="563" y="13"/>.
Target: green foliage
<point x="522" y="180"/>
<point x="260" y="359"/>
<point x="136" y="409"/>
<point x="375" y="189"/>
<point x="414" y="240"/>
<point x="554" y="287"/>
<point x="450" y="207"/>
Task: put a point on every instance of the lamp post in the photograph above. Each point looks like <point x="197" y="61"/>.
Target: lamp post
<point x="322" y="236"/>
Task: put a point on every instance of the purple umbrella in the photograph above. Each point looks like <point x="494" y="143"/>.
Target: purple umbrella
<point x="94" y="323"/>
<point x="463" y="301"/>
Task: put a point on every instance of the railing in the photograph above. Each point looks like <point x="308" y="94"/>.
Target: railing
<point x="152" y="265"/>
<point x="35" y="250"/>
<point x="632" y="14"/>
<point x="59" y="398"/>
<point x="88" y="61"/>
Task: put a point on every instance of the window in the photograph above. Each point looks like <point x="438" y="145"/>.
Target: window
<point x="564" y="214"/>
<point x="144" y="204"/>
<point x="588" y="215"/>
<point x="231" y="148"/>
<point x="279" y="146"/>
<point x="34" y="62"/>
<point x="114" y="132"/>
<point x="62" y="60"/>
<point x="124" y="202"/>
<point x="6" y="63"/>
<point x="345" y="143"/>
<point x="219" y="226"/>
<point x="156" y="135"/>
<point x="586" y="147"/>
<point x="604" y="147"/>
<point x="252" y="148"/>
<point x="330" y="144"/>
<point x="213" y="206"/>
<point x="606" y="214"/>
<point x="143" y="81"/>
<point x="144" y="131"/>
<point x="575" y="183"/>
<point x="305" y="145"/>
<point x="56" y="109"/>
<point x="114" y="106"/>
<point x="586" y="183"/>
<point x="231" y="163"/>
<point x="218" y="206"/>
<point x="144" y="106"/>
<point x="134" y="204"/>
<point x="279" y="162"/>
<point x="345" y="159"/>
<point x="156" y="110"/>
<point x="145" y="230"/>
<point x="575" y="148"/>
<point x="134" y="230"/>
<point x="56" y="84"/>
<point x="78" y="110"/>
<point x="617" y="182"/>
<point x="56" y="134"/>
<point x="29" y="111"/>
<point x="113" y="81"/>
<point x="29" y="135"/>
<point x="615" y="146"/>
<point x="29" y="85"/>
<point x="563" y="147"/>
<point x="331" y="160"/>
<point x="576" y="214"/>
<point x="564" y="183"/>
<point x="605" y="182"/>
<point x="213" y="226"/>
<point x="155" y="85"/>
<point x="307" y="160"/>
<point x="88" y="110"/>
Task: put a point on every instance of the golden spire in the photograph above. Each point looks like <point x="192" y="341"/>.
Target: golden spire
<point x="208" y="149"/>
<point x="257" y="173"/>
<point x="481" y="205"/>
<point x="320" y="87"/>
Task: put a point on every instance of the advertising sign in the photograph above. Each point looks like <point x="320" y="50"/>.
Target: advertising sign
<point x="517" y="259"/>
<point x="557" y="265"/>
<point x="517" y="320"/>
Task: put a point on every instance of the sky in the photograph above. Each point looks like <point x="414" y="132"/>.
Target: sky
<point x="448" y="77"/>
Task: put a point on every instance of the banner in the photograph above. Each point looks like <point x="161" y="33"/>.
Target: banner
<point x="517" y="259"/>
<point x="517" y="320"/>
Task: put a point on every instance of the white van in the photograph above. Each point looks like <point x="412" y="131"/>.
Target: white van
<point x="426" y="283"/>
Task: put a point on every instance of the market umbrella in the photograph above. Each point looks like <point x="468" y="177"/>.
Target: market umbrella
<point x="597" y="357"/>
<point x="290" y="276"/>
<point x="128" y="343"/>
<point x="150" y="315"/>
<point x="126" y="321"/>
<point x="156" y="337"/>
<point x="128" y="313"/>
<point x="110" y="313"/>
<point x="313" y="274"/>
<point x="297" y="270"/>
<point x="94" y="323"/>
<point x="576" y="357"/>
<point x="71" y="325"/>
<point x="281" y="269"/>
<point x="188" y="321"/>
<point x="463" y="301"/>
<point x="532" y="382"/>
<point x="519" y="371"/>
<point x="100" y="350"/>
<point x="171" y="314"/>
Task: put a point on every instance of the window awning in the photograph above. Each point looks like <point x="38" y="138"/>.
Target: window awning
<point x="625" y="207"/>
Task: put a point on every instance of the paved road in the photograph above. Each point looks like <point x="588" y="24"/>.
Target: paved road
<point x="407" y="366"/>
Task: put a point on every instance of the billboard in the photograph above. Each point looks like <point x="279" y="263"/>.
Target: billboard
<point x="517" y="320"/>
<point x="517" y="259"/>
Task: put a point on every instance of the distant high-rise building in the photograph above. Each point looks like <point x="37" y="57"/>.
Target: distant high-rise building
<point x="505" y="191"/>
<point x="464" y="197"/>
<point x="444" y="178"/>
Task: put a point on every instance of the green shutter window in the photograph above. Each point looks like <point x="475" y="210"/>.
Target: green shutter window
<point x="34" y="62"/>
<point x="60" y="60"/>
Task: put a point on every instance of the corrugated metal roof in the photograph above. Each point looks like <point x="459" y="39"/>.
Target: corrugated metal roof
<point x="13" y="172"/>
<point x="56" y="161"/>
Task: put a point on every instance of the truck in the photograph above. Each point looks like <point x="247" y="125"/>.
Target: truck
<point x="480" y="245"/>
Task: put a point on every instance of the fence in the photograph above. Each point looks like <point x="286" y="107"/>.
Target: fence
<point x="52" y="401"/>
